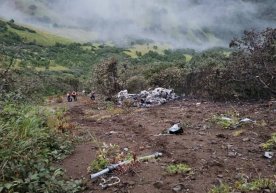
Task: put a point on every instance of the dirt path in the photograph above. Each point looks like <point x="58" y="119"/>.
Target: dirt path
<point x="214" y="154"/>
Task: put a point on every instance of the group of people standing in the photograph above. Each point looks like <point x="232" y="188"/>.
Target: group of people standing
<point x="73" y="95"/>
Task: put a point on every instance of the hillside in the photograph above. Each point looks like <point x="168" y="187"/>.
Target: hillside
<point x="62" y="117"/>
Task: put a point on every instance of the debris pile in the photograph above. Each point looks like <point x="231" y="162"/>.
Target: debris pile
<point x="148" y="98"/>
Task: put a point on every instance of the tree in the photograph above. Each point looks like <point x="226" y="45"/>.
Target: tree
<point x="254" y="62"/>
<point x="105" y="77"/>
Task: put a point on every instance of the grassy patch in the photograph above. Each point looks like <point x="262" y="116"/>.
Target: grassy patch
<point x="256" y="185"/>
<point x="271" y="143"/>
<point x="225" y="121"/>
<point x="244" y="186"/>
<point x="28" y="146"/>
<point x="57" y="68"/>
<point x="222" y="188"/>
<point x="106" y="155"/>
<point x="138" y="49"/>
<point x="41" y="38"/>
<point x="178" y="168"/>
<point x="188" y="57"/>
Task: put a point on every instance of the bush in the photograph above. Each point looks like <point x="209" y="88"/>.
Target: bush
<point x="172" y="77"/>
<point x="26" y="150"/>
<point x="136" y="83"/>
<point x="106" y="77"/>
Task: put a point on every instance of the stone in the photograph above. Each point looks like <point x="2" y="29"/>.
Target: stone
<point x="177" y="188"/>
<point x="232" y="154"/>
<point x="245" y="139"/>
<point x="220" y="176"/>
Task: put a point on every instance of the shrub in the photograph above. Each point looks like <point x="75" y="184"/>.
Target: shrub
<point x="171" y="77"/>
<point x="178" y="168"/>
<point x="136" y="84"/>
<point x="26" y="150"/>
<point x="105" y="77"/>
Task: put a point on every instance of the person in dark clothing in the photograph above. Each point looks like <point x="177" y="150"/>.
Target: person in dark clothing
<point x="92" y="96"/>
<point x="69" y="98"/>
<point x="74" y="95"/>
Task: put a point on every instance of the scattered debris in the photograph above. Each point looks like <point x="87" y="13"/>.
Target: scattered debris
<point x="231" y="123"/>
<point x="113" y="180"/>
<point x="149" y="98"/>
<point x="175" y="129"/>
<point x="226" y="119"/>
<point x="246" y="139"/>
<point x="220" y="176"/>
<point x="178" y="188"/>
<point x="198" y="104"/>
<point x="246" y="120"/>
<point x="268" y="154"/>
<point x="114" y="166"/>
<point x="232" y="154"/>
<point x="111" y="132"/>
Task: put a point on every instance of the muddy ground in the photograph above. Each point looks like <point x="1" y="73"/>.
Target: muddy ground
<point x="215" y="154"/>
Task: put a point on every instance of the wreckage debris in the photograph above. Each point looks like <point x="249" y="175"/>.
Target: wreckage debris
<point x="115" y="166"/>
<point x="268" y="154"/>
<point x="148" y="98"/>
<point x="175" y="129"/>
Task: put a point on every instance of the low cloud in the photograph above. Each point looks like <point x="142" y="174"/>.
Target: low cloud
<point x="196" y="24"/>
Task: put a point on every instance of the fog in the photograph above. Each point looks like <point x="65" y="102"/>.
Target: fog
<point x="196" y="24"/>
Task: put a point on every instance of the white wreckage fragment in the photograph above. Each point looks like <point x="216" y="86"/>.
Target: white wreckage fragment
<point x="158" y="96"/>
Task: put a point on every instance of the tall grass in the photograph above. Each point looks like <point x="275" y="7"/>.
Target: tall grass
<point x="27" y="148"/>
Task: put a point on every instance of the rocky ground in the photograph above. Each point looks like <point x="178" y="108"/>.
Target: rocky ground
<point x="215" y="154"/>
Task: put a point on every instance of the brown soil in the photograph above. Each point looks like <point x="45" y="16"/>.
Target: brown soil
<point x="214" y="154"/>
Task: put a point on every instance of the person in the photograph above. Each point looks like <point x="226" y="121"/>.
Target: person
<point x="69" y="99"/>
<point x="92" y="96"/>
<point x="74" y="95"/>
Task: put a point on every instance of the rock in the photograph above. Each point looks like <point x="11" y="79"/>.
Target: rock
<point x="158" y="184"/>
<point x="193" y="178"/>
<point x="245" y="139"/>
<point x="214" y="142"/>
<point x="178" y="188"/>
<point x="220" y="176"/>
<point x="267" y="191"/>
<point x="229" y="146"/>
<point x="221" y="136"/>
<point x="232" y="154"/>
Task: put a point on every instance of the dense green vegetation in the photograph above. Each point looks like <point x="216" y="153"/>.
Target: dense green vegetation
<point x="28" y="145"/>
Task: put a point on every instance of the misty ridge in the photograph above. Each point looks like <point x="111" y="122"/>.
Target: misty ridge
<point x="197" y="24"/>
